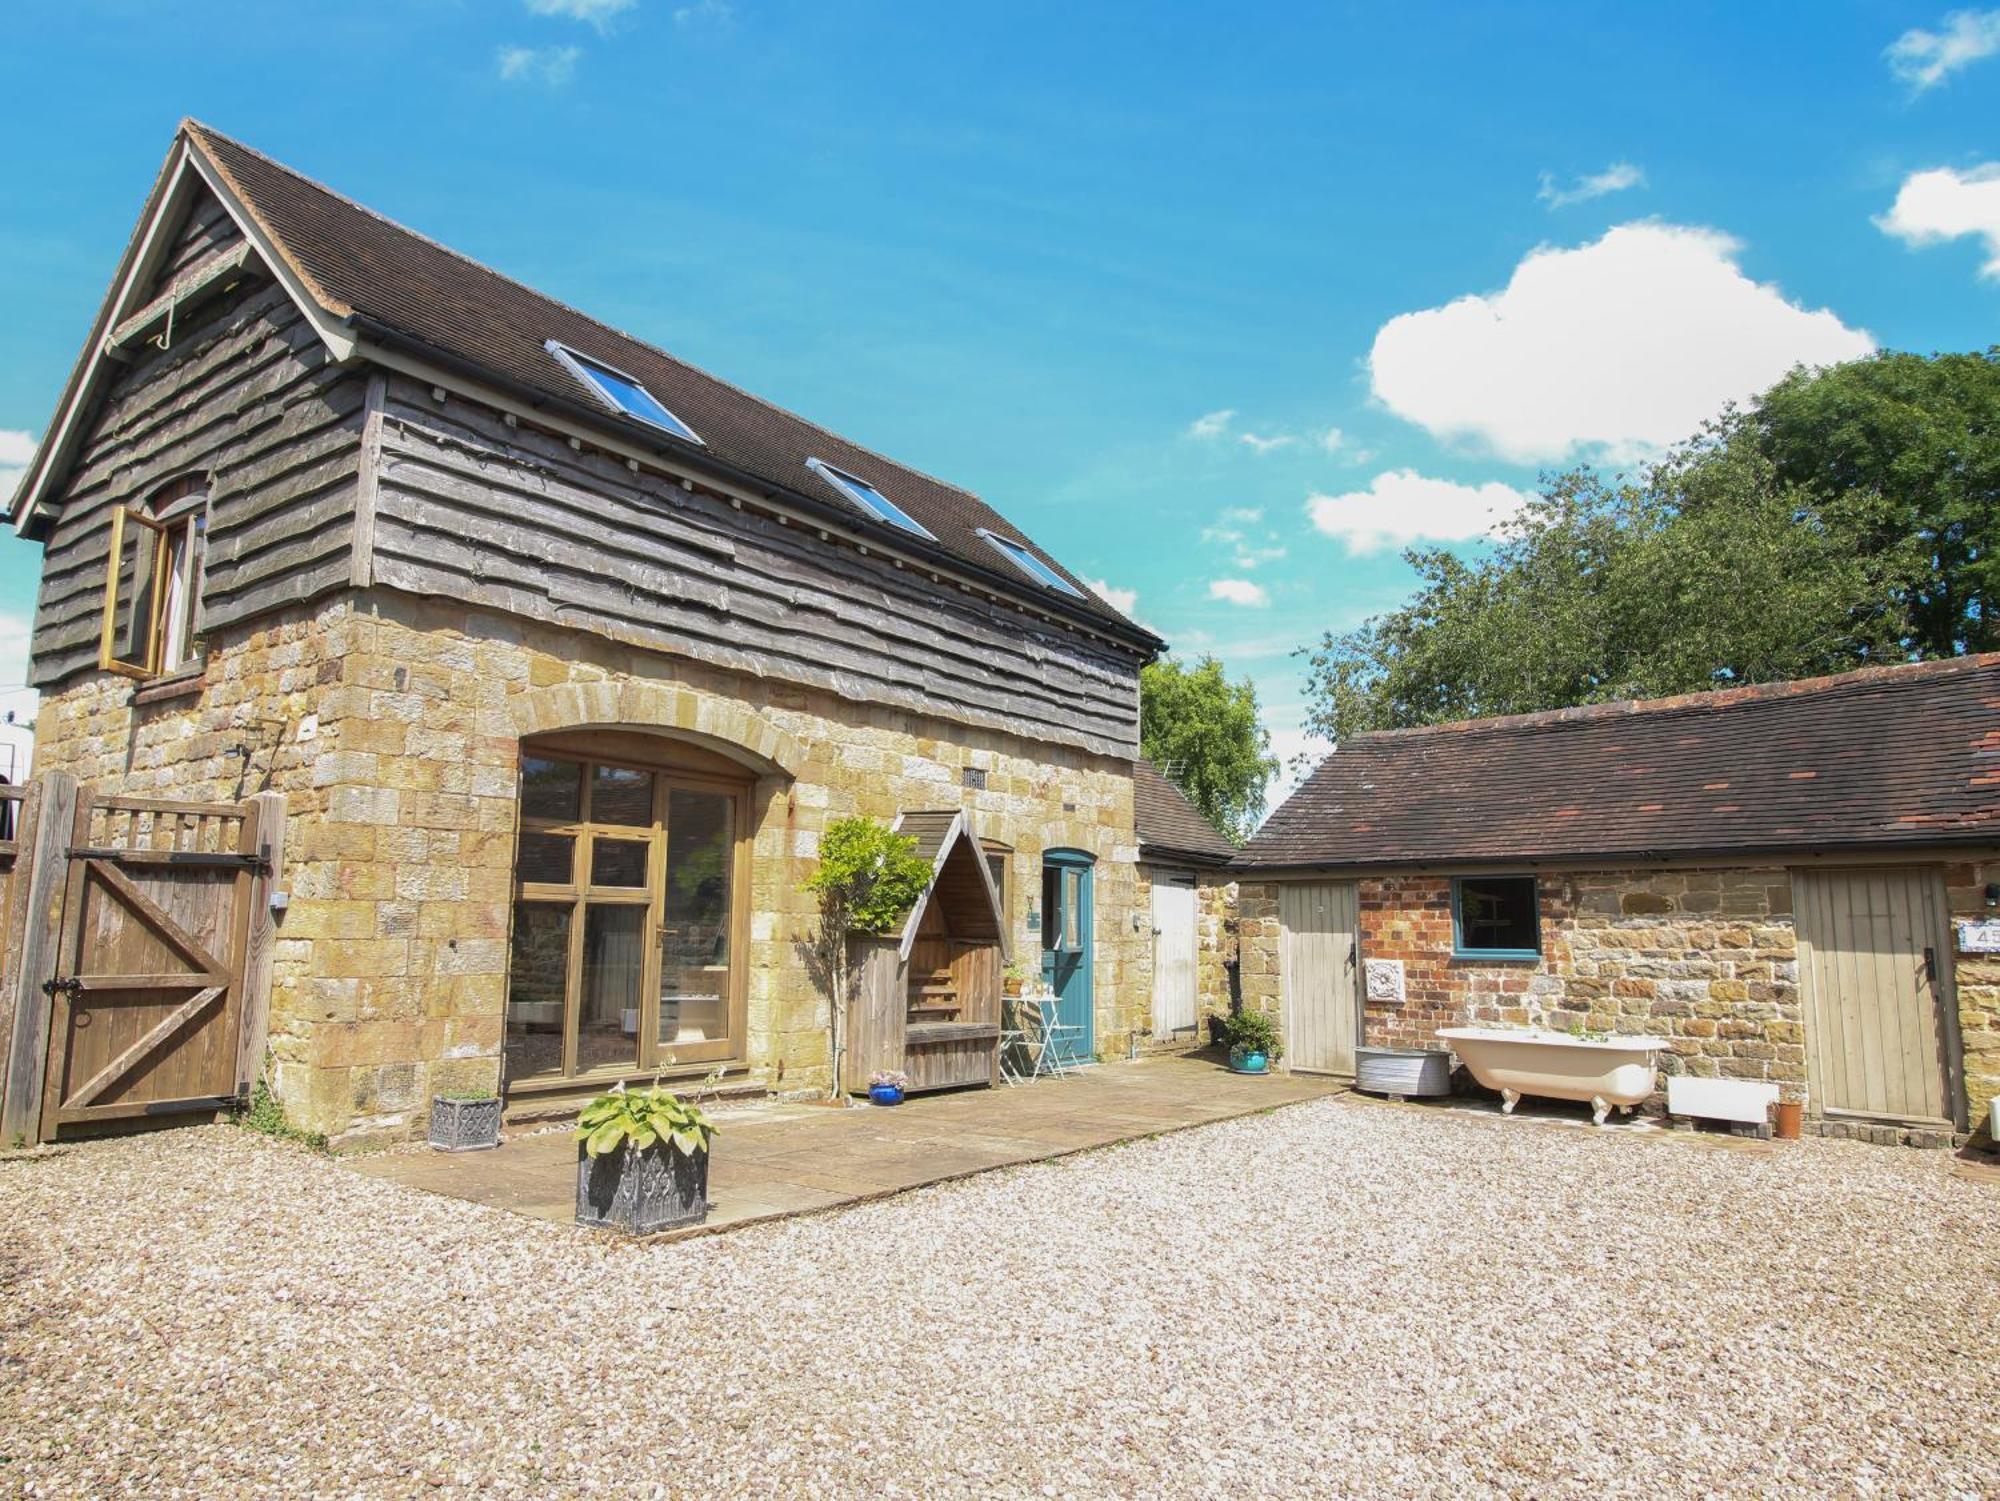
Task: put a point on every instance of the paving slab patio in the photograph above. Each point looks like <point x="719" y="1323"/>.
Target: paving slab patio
<point x="783" y="1158"/>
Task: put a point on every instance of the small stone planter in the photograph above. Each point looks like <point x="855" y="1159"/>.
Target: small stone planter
<point x="465" y="1125"/>
<point x="642" y="1192"/>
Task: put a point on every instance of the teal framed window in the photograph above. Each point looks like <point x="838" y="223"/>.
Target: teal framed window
<point x="1495" y="917"/>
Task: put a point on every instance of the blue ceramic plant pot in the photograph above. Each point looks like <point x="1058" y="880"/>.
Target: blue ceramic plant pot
<point x="1250" y="1063"/>
<point x="885" y="1094"/>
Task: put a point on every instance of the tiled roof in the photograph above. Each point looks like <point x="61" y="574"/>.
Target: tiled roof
<point x="1171" y="825"/>
<point x="1882" y="757"/>
<point x="358" y="263"/>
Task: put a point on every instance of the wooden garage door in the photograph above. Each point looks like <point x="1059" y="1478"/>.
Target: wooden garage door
<point x="1874" y="966"/>
<point x="1317" y="974"/>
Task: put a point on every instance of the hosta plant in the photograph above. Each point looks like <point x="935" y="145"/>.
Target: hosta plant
<point x="639" y="1118"/>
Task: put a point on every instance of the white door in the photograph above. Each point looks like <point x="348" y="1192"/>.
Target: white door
<point x="1173" y="953"/>
<point x="1317" y="979"/>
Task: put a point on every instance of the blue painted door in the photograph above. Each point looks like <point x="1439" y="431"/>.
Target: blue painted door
<point x="1066" y="948"/>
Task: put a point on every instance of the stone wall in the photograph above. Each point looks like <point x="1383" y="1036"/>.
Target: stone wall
<point x="1977" y="981"/>
<point x="393" y="726"/>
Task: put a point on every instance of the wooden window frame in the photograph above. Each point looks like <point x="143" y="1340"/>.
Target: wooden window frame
<point x="579" y="894"/>
<point x="1458" y="944"/>
<point x="178" y="510"/>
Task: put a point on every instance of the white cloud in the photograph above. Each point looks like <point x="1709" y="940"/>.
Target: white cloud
<point x="1401" y="506"/>
<point x="554" y="66"/>
<point x="1615" y="178"/>
<point x="17" y="449"/>
<point x="1624" y="345"/>
<point x="1333" y="440"/>
<point x="1262" y="444"/>
<point x="1257" y="557"/>
<point x="1124" y="601"/>
<point x="597" y="12"/>
<point x="1229" y="526"/>
<point x="1943" y="204"/>
<point x="1211" y="426"/>
<point x="1239" y="592"/>
<point x="1924" y="58"/>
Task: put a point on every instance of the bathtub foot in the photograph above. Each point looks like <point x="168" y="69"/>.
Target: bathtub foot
<point x="1509" y="1098"/>
<point x="1599" y="1108"/>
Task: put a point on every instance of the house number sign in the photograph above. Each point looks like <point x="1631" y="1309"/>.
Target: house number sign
<point x="1979" y="937"/>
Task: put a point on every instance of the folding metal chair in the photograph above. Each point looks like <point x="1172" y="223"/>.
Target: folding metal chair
<point x="1016" y="1047"/>
<point x="1053" y="1056"/>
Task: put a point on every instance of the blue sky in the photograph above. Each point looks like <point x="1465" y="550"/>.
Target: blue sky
<point x="1223" y="304"/>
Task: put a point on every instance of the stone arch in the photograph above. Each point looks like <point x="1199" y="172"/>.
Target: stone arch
<point x="670" y="709"/>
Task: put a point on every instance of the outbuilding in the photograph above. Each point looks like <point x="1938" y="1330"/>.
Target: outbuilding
<point x="1793" y="882"/>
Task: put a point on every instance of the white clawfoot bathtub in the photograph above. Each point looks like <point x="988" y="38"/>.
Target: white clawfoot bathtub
<point x="1617" y="1071"/>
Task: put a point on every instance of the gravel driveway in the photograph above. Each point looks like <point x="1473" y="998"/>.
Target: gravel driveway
<point x="1397" y="1302"/>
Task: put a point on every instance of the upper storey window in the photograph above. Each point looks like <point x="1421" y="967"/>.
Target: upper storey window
<point x="152" y="591"/>
<point x="870" y="499"/>
<point x="621" y="392"/>
<point x="1029" y="564"/>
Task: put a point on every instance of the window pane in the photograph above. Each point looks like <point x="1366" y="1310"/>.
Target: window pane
<point x="537" y="980"/>
<point x="613" y="958"/>
<point x="636" y="399"/>
<point x="1497" y="913"/>
<point x="694" y="937"/>
<point x="1072" y="909"/>
<point x="547" y="858"/>
<point x="618" y="794"/>
<point x="618" y="862"/>
<point x="1051" y="906"/>
<point x="551" y="789"/>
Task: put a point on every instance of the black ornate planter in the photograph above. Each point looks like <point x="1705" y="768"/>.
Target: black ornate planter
<point x="659" y="1188"/>
<point x="465" y="1125"/>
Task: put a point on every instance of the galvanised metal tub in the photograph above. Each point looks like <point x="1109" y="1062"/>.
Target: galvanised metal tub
<point x="1615" y="1071"/>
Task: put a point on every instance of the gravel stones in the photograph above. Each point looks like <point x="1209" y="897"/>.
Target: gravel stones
<point x="1336" y="1297"/>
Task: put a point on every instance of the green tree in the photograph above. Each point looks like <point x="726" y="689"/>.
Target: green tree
<point x="1204" y="732"/>
<point x="1712" y="572"/>
<point x="1901" y="453"/>
<point x="868" y="877"/>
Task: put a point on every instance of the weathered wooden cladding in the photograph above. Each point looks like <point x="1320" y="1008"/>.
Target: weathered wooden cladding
<point x="207" y="233"/>
<point x="250" y="397"/>
<point x="468" y="508"/>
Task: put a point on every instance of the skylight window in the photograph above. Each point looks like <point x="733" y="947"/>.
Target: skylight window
<point x="865" y="495"/>
<point x="621" y="392"/>
<point x="1031" y="565"/>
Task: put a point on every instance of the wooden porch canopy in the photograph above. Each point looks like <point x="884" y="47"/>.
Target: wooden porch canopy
<point x="928" y="999"/>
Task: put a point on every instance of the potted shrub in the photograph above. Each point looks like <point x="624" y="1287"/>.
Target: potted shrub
<point x="465" y="1122"/>
<point x="888" y="1088"/>
<point x="1253" y="1041"/>
<point x="642" y="1161"/>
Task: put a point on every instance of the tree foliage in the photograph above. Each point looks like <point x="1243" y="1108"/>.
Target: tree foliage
<point x="1204" y="732"/>
<point x="1846" y="518"/>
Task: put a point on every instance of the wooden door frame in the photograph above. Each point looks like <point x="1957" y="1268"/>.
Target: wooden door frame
<point x="1358" y="991"/>
<point x="1180" y="878"/>
<point x="1944" y="984"/>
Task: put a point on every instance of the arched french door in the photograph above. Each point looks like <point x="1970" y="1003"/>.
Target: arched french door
<point x="1068" y="948"/>
<point x="630" y="886"/>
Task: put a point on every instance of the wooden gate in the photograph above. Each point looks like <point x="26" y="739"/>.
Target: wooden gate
<point x="1174" y="949"/>
<point x="148" y="995"/>
<point x="1317" y="974"/>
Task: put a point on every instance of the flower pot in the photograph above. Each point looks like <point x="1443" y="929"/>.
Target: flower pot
<point x="885" y="1094"/>
<point x="658" y="1188"/>
<point x="1790" y="1117"/>
<point x="465" y="1125"/>
<point x="1245" y="1062"/>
